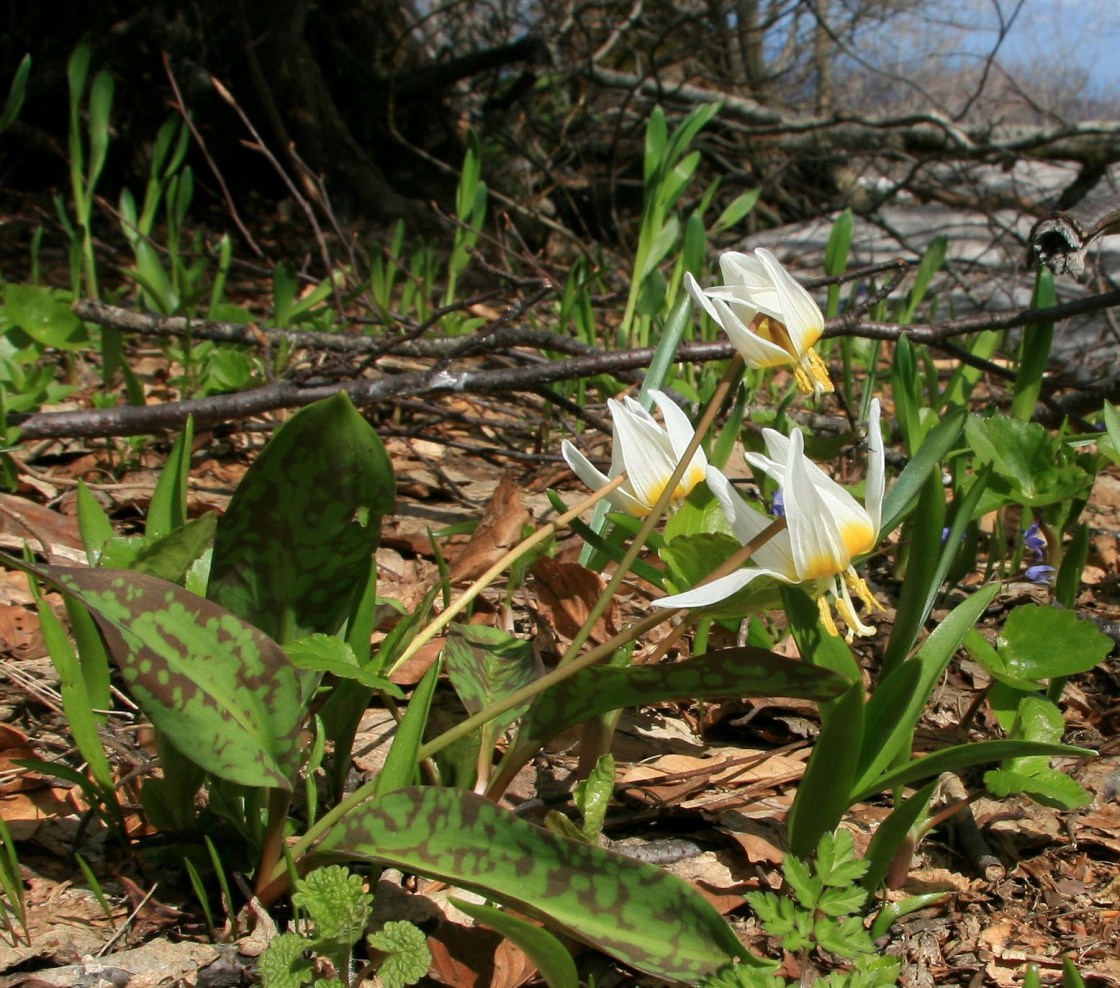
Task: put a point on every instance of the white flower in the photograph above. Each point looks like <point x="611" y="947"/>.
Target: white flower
<point x="646" y="451"/>
<point x="769" y="317"/>
<point x="825" y="529"/>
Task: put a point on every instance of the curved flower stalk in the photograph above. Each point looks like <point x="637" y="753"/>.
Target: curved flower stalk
<point x="826" y="530"/>
<point x="646" y="451"/>
<point x="769" y="317"/>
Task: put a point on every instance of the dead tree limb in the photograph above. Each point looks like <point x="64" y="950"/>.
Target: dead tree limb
<point x="128" y="420"/>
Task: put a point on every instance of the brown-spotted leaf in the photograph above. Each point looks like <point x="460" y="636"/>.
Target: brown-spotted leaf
<point x="223" y="692"/>
<point x="636" y="912"/>
<point x="297" y="540"/>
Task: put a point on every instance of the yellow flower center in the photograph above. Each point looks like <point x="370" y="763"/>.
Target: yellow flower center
<point x="811" y="373"/>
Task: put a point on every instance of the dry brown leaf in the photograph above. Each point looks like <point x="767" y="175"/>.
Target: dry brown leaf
<point x="503" y="521"/>
<point x="666" y="780"/>
<point x="20" y="635"/>
<point x="566" y="593"/>
<point x="23" y="521"/>
<point x="462" y="956"/>
<point x="512" y="967"/>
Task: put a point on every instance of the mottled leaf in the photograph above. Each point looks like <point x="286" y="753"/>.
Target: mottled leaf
<point x="639" y="914"/>
<point x="222" y="691"/>
<point x="297" y="539"/>
<point x="486" y="665"/>
<point x="729" y="673"/>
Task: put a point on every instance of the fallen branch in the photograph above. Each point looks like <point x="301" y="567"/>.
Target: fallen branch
<point x="131" y="420"/>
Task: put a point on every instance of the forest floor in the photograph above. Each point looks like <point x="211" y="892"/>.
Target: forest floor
<point x="1023" y="883"/>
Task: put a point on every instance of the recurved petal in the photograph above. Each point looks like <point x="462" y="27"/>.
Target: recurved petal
<point x="594" y="478"/>
<point x="582" y="467"/>
<point x="700" y="296"/>
<point x="718" y="590"/>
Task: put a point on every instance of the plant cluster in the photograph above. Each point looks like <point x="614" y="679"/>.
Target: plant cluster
<point x="247" y="640"/>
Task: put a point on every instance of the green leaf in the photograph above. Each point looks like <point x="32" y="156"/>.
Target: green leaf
<point x="815" y="642"/>
<point x="409" y="956"/>
<point x="592" y="797"/>
<point x="223" y="692"/>
<point x="892" y="833"/>
<point x="168" y="508"/>
<point x="285" y="964"/>
<point x="1047" y="786"/>
<point x="1037" y="719"/>
<point x="44" y="315"/>
<point x="399" y="769"/>
<point x="905" y="490"/>
<point x="549" y="955"/>
<point x="326" y="653"/>
<point x="635" y="912"/>
<point x="336" y="902"/>
<point x="486" y="665"/>
<point x="1028" y="458"/>
<point x="171" y="556"/>
<point x="727" y="673"/>
<point x="964" y="756"/>
<point x="1040" y="643"/>
<point x="296" y="542"/>
<point x="929" y="265"/>
<point x="825" y="790"/>
<point x="897" y="704"/>
<point x="1071" y="977"/>
<point x="93" y="523"/>
<point x="76" y="702"/>
<point x="836" y="861"/>
<point x="1034" y="350"/>
<point x="803" y="883"/>
<point x="16" y="93"/>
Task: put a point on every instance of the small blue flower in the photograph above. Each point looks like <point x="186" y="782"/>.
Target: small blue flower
<point x="1041" y="574"/>
<point x="1034" y="540"/>
<point x="779" y="505"/>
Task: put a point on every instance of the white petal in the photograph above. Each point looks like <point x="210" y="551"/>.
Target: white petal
<point x="681" y="434"/>
<point x="700" y="296"/>
<point x="746" y="523"/>
<point x="815" y="535"/>
<point x="763" y="464"/>
<point x="594" y="478"/>
<point x="756" y="351"/>
<point x="796" y="307"/>
<point x="646" y="453"/>
<point x="745" y="272"/>
<point x="876" y="468"/>
<point x="717" y="590"/>
<point x="582" y="467"/>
